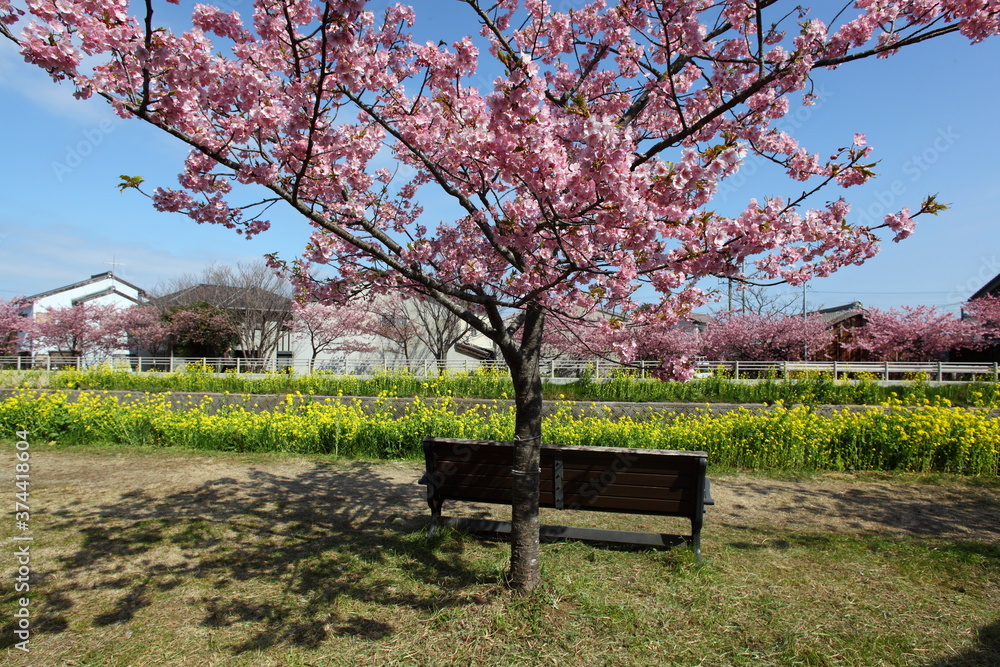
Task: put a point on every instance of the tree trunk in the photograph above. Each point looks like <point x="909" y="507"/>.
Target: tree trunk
<point x="525" y="556"/>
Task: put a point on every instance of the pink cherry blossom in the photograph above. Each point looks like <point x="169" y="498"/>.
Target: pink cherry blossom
<point x="332" y="328"/>
<point x="915" y="333"/>
<point x="581" y="148"/>
<point x="13" y="324"/>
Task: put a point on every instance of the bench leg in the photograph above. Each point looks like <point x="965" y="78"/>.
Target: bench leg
<point x="696" y="524"/>
<point x="435" y="515"/>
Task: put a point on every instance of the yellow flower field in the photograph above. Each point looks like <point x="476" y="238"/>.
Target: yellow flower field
<point x="925" y="438"/>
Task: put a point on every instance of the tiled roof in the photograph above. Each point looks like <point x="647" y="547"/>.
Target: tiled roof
<point x="96" y="278"/>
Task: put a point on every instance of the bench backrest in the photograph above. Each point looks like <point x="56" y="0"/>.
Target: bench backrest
<point x="611" y="479"/>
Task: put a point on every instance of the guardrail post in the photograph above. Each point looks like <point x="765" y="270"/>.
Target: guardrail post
<point x="940" y="376"/>
<point x="835" y="370"/>
<point x="736" y="370"/>
<point x="885" y="371"/>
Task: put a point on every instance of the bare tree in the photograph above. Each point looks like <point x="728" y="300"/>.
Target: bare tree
<point x="415" y="325"/>
<point x="437" y="328"/>
<point x="395" y="324"/>
<point x="258" y="300"/>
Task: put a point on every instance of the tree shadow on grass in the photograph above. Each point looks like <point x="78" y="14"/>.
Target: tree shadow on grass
<point x="276" y="557"/>
<point x="986" y="653"/>
<point x="951" y="513"/>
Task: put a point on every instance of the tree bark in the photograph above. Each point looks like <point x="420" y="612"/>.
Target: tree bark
<point x="525" y="555"/>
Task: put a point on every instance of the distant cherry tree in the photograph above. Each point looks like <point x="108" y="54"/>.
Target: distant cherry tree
<point x="579" y="149"/>
<point x="333" y="328"/>
<point x="84" y="329"/>
<point x="13" y="325"/>
<point x="202" y="330"/>
<point x="915" y="333"/>
<point x="146" y="329"/>
<point x="986" y="311"/>
<point x="754" y="337"/>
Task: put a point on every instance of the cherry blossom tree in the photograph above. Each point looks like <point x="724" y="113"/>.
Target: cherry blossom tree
<point x="202" y="330"/>
<point x="986" y="311"/>
<point x="80" y="330"/>
<point x="333" y="328"/>
<point x="671" y="348"/>
<point x="915" y="333"/>
<point x="580" y="150"/>
<point x="578" y="338"/>
<point x="754" y="337"/>
<point x="12" y="325"/>
<point x="146" y="329"/>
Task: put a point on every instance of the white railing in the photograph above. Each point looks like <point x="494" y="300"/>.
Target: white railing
<point x="939" y="371"/>
<point x="556" y="370"/>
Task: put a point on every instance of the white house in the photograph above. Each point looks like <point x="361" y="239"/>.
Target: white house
<point x="101" y="289"/>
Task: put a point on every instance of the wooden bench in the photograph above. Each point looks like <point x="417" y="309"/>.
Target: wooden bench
<point x="607" y="479"/>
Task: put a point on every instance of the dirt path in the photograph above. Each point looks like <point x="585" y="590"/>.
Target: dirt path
<point x="114" y="481"/>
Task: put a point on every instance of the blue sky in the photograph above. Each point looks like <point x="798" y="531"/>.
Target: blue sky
<point x="930" y="113"/>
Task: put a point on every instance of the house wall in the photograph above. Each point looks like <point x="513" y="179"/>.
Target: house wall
<point x="118" y="294"/>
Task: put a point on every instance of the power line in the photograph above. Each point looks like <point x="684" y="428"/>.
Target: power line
<point x="860" y="292"/>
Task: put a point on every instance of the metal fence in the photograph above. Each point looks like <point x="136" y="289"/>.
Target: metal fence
<point x="938" y="371"/>
<point x="556" y="370"/>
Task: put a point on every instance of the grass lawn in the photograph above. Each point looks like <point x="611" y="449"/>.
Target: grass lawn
<point x="165" y="557"/>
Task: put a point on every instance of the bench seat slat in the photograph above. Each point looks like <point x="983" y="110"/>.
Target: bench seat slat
<point x="666" y="507"/>
<point x="653" y="467"/>
<point x="637" y="496"/>
<point x="493" y="495"/>
<point x="462" y="481"/>
<point x="496" y="474"/>
<point x="636" y="505"/>
<point x="602" y="478"/>
<point x="626" y="491"/>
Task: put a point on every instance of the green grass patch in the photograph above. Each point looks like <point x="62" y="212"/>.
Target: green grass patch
<point x="316" y="562"/>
